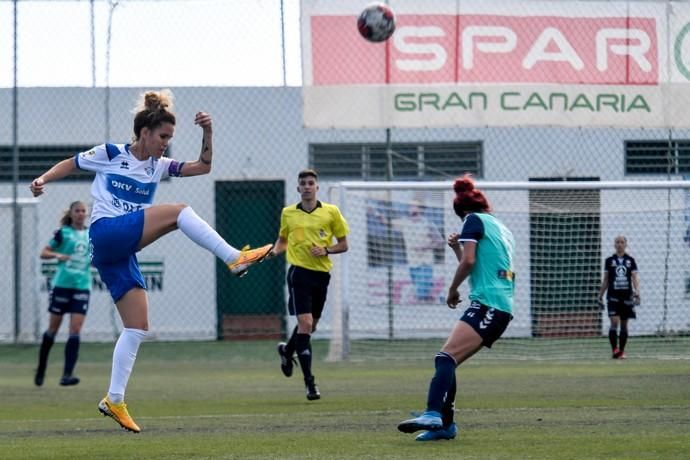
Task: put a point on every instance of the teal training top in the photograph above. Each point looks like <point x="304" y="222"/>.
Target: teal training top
<point x="492" y="280"/>
<point x="74" y="273"/>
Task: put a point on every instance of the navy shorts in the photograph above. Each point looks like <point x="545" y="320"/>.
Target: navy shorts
<point x="624" y="309"/>
<point x="489" y="322"/>
<point x="115" y="241"/>
<point x="67" y="300"/>
<point x="308" y="289"/>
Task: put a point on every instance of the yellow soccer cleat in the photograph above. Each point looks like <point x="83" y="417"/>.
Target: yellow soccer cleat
<point x="247" y="258"/>
<point x="119" y="413"/>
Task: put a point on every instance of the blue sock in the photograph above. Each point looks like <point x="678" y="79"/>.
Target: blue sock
<point x="441" y="382"/>
<point x="448" y="412"/>
<point x="71" y="354"/>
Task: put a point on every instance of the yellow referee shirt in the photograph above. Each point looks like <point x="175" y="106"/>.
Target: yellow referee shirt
<point x="303" y="230"/>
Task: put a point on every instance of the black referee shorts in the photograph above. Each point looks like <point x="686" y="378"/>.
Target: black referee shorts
<point x="308" y="289"/>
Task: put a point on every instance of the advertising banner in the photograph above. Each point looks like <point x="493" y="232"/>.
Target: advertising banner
<point x="498" y="63"/>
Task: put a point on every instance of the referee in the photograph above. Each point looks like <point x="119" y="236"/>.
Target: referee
<point x="307" y="230"/>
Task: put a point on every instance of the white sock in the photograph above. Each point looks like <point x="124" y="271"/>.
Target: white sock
<point x="124" y="355"/>
<point x="205" y="236"/>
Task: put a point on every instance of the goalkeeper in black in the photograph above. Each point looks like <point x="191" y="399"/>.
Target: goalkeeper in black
<point x="621" y="284"/>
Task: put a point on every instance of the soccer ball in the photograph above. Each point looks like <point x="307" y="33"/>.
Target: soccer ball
<point x="376" y="23"/>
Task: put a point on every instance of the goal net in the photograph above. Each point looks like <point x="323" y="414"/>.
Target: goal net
<point x="19" y="291"/>
<point x="388" y="291"/>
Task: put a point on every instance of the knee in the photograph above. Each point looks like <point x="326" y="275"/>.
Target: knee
<point x="306" y="327"/>
<point x="178" y="208"/>
<point x="141" y="325"/>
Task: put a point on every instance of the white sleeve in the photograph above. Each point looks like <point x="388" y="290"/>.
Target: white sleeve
<point x="93" y="160"/>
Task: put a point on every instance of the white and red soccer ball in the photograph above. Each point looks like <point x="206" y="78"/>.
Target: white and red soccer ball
<point x="376" y="22"/>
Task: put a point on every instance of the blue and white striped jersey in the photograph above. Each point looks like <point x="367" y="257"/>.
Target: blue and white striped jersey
<point x="123" y="184"/>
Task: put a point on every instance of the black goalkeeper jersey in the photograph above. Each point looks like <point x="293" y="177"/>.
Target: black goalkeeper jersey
<point x="620" y="270"/>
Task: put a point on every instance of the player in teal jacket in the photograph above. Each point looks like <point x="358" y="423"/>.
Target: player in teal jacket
<point x="485" y="252"/>
<point x="71" y="289"/>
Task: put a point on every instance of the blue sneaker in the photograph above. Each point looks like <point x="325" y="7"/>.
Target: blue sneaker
<point x="428" y="421"/>
<point x="449" y="432"/>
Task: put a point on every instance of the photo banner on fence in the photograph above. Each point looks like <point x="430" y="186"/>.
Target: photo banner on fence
<point x="498" y="63"/>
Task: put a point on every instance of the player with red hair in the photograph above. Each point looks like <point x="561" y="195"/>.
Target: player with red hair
<point x="484" y="250"/>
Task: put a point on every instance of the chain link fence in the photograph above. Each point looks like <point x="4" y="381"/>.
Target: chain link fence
<point x="78" y="69"/>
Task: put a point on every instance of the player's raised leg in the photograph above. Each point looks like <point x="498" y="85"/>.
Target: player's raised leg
<point x="162" y="219"/>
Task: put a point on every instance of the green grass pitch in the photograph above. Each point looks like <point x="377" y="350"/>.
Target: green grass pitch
<point x="230" y="400"/>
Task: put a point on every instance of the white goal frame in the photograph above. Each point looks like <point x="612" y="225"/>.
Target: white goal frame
<point x="20" y="320"/>
<point x="340" y="337"/>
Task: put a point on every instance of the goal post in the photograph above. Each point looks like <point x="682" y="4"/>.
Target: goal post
<point x="19" y="317"/>
<point x="389" y="288"/>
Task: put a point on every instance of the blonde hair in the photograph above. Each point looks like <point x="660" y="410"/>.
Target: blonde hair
<point x="152" y="110"/>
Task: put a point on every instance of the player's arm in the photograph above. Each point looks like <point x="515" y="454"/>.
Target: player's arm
<point x="279" y="247"/>
<point x="57" y="172"/>
<point x="49" y="253"/>
<point x="203" y="164"/>
<point x="454" y="244"/>
<point x="636" y="287"/>
<point x="469" y="258"/>
<point x="339" y="247"/>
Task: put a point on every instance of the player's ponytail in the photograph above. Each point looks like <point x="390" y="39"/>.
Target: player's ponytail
<point x="468" y="199"/>
<point x="153" y="109"/>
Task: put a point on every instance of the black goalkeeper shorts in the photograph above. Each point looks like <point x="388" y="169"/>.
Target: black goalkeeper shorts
<point x="623" y="309"/>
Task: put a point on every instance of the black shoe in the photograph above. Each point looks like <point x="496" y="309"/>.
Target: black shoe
<point x="286" y="362"/>
<point x="40" y="375"/>
<point x="312" y="390"/>
<point x="68" y="380"/>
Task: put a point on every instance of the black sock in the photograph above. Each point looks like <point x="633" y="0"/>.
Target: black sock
<point x="291" y="343"/>
<point x="441" y="382"/>
<point x="304" y="354"/>
<point x="71" y="354"/>
<point x="624" y="337"/>
<point x="46" y="345"/>
<point x="613" y="338"/>
<point x="448" y="411"/>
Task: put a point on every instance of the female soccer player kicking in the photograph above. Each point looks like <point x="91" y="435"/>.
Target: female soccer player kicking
<point x="124" y="221"/>
<point x="486" y="257"/>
